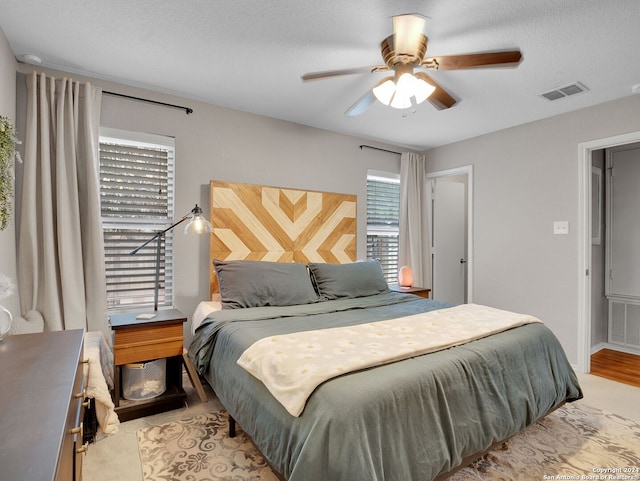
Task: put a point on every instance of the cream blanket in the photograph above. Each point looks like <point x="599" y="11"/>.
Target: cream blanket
<point x="99" y="377"/>
<point x="291" y="366"/>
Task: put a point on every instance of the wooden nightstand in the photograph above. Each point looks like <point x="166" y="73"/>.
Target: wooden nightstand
<point x="138" y="340"/>
<point x="418" y="291"/>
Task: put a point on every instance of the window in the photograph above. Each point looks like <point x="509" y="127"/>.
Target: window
<point x="136" y="193"/>
<point x="383" y="214"/>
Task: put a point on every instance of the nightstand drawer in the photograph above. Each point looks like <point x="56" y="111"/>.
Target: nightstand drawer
<point x="146" y="343"/>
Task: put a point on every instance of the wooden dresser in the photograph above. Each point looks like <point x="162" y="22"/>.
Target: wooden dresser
<point x="41" y="409"/>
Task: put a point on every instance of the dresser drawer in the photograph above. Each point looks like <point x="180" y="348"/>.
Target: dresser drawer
<point x="144" y="343"/>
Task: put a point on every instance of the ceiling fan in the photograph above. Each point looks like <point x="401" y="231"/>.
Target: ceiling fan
<point x="403" y="52"/>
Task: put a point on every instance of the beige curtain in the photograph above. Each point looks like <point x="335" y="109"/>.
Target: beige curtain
<point x="60" y="247"/>
<point x="414" y="249"/>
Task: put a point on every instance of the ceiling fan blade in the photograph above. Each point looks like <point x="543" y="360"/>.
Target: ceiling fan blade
<point x="338" y="73"/>
<point x="440" y="98"/>
<point x="407" y="31"/>
<point x="361" y="105"/>
<point x="488" y="59"/>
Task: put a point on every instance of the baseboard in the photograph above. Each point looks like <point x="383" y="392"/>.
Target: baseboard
<point x="614" y="347"/>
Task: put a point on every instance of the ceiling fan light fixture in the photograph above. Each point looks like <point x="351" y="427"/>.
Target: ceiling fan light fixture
<point x="405" y="85"/>
<point x="422" y="90"/>
<point x="398" y="92"/>
<point x="400" y="101"/>
<point x="384" y="90"/>
<point x="403" y="92"/>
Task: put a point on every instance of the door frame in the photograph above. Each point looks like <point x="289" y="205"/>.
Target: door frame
<point x="468" y="170"/>
<point x="584" y="239"/>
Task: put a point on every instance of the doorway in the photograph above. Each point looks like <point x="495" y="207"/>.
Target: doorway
<point x="585" y="236"/>
<point x="451" y="234"/>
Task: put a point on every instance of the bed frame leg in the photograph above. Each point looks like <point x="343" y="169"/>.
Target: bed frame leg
<point x="232" y="427"/>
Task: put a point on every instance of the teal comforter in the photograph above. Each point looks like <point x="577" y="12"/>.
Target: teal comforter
<point x="407" y="421"/>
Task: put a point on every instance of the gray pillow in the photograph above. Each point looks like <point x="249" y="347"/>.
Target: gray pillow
<point x="259" y="283"/>
<point x="359" y="279"/>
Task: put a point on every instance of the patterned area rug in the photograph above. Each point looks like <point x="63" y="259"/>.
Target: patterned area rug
<point x="574" y="442"/>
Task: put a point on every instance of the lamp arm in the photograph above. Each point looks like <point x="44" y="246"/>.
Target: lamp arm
<point x="158" y="235"/>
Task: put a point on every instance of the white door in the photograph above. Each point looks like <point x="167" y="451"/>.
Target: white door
<point x="623" y="199"/>
<point x="449" y="241"/>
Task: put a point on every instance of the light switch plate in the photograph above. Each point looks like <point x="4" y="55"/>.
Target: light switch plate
<point x="561" y="227"/>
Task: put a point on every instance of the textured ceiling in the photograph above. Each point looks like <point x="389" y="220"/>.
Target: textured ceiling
<point x="249" y="55"/>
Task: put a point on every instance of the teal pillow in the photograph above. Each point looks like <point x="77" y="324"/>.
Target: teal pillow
<point x="338" y="281"/>
<point x="260" y="283"/>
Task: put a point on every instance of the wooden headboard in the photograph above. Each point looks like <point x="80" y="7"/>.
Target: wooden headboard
<point x="259" y="222"/>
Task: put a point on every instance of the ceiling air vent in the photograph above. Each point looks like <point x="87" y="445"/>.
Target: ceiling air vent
<point x="566" y="91"/>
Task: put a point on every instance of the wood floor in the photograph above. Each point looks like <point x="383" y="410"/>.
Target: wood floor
<point x="617" y="366"/>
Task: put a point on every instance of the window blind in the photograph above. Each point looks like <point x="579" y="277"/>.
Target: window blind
<point x="383" y="215"/>
<point x="136" y="188"/>
<point x="134" y="181"/>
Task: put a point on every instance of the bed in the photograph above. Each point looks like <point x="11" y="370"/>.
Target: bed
<point x="413" y="417"/>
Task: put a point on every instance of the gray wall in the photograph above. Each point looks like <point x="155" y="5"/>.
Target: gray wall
<point x="216" y="143"/>
<point x="7" y="109"/>
<point x="525" y="178"/>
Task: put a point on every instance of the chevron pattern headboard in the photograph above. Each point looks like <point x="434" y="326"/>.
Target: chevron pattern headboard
<point x="259" y="222"/>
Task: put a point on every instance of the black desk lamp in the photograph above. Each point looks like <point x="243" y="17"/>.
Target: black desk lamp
<point x="197" y="225"/>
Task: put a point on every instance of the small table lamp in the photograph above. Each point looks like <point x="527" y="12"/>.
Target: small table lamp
<point x="405" y="276"/>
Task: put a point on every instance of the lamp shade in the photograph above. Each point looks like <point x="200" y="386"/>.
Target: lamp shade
<point x="404" y="92"/>
<point x="384" y="90"/>
<point x="405" y="276"/>
<point x="422" y="90"/>
<point x="197" y="223"/>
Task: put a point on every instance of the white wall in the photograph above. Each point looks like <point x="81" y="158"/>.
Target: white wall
<point x="525" y="178"/>
<point x="7" y="109"/>
<point x="599" y="306"/>
<point x="216" y="143"/>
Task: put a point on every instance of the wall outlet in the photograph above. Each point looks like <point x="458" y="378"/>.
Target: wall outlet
<point x="561" y="227"/>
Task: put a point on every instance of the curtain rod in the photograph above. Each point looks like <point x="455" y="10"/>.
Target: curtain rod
<point x="188" y="110"/>
<point x="378" y="148"/>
